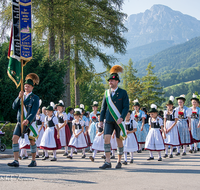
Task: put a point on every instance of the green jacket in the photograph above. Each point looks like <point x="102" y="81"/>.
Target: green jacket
<point x="121" y="101"/>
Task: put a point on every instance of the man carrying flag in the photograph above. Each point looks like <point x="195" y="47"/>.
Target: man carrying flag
<point x="31" y="106"/>
<point x="114" y="108"/>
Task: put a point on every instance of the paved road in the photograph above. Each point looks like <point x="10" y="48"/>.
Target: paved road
<point x="176" y="173"/>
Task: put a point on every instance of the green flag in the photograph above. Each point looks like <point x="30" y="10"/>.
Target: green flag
<point x="14" y="66"/>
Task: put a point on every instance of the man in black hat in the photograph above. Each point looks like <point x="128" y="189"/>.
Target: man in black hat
<point x="119" y="101"/>
<point x="31" y="105"/>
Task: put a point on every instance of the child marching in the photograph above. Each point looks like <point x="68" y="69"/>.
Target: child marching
<point x="195" y="122"/>
<point x="139" y="116"/>
<point x="170" y="127"/>
<point x="130" y="143"/>
<point x="154" y="140"/>
<point x="64" y="130"/>
<point x="77" y="140"/>
<point x="184" y="124"/>
<point x="50" y="139"/>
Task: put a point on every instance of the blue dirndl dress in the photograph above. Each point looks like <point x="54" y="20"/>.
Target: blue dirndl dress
<point x="194" y="123"/>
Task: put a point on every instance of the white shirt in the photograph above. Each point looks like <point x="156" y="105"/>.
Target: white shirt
<point x="27" y="95"/>
<point x="158" y="119"/>
<point x="62" y="114"/>
<point x="113" y="91"/>
<point x="80" y="122"/>
<point x="175" y="114"/>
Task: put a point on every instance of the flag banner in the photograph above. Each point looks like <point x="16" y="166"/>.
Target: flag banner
<point x="16" y="36"/>
<point x="25" y="26"/>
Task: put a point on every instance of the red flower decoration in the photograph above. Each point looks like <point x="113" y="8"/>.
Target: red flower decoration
<point x="93" y="117"/>
<point x="136" y="116"/>
<point x="194" y="112"/>
<point x="180" y="113"/>
<point x="113" y="77"/>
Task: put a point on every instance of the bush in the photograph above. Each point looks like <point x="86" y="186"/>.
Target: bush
<point x="8" y="129"/>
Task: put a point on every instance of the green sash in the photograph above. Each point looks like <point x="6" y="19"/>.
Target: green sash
<point x="34" y="131"/>
<point x="115" y="113"/>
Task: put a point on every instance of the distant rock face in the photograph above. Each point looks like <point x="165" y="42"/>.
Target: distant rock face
<point x="160" y="23"/>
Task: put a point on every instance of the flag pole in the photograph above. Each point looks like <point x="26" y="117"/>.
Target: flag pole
<point x="22" y="99"/>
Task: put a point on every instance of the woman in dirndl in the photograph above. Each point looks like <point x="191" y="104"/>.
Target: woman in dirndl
<point x="170" y="127"/>
<point x="130" y="143"/>
<point x="78" y="140"/>
<point x="184" y="124"/>
<point x="154" y="140"/>
<point x="51" y="138"/>
<point x="64" y="130"/>
<point x="195" y="123"/>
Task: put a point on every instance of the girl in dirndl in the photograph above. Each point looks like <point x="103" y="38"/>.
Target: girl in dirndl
<point x="24" y="144"/>
<point x="98" y="143"/>
<point x="64" y="130"/>
<point x="70" y="118"/>
<point x="154" y="140"/>
<point x="130" y="143"/>
<point x="50" y="139"/>
<point x="170" y="127"/>
<point x="40" y="124"/>
<point x="195" y="122"/>
<point x="184" y="124"/>
<point x="78" y="139"/>
<point x="139" y="116"/>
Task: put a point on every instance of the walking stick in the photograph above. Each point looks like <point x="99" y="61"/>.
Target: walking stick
<point x="22" y="99"/>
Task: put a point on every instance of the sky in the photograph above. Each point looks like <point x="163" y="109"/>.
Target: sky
<point x="189" y="7"/>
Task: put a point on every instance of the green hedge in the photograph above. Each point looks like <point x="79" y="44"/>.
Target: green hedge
<point x="8" y="129"/>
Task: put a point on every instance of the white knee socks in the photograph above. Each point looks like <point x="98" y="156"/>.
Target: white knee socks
<point x="171" y="149"/>
<point x="178" y="149"/>
<point x="184" y="148"/>
<point x="66" y="149"/>
<point x="166" y="149"/>
<point x="54" y="153"/>
<point x="46" y="153"/>
<point x="83" y="151"/>
<point x="94" y="153"/>
<point x="125" y="156"/>
<point x="72" y="150"/>
<point x="113" y="152"/>
<point x="131" y="155"/>
<point x="159" y="154"/>
<point x="151" y="154"/>
<point x="91" y="148"/>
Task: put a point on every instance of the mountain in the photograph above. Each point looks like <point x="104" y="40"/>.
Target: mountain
<point x="160" y="23"/>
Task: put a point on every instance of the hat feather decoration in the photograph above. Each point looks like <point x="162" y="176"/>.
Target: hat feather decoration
<point x="40" y="102"/>
<point x="34" y="77"/>
<point x="171" y="98"/>
<point x="52" y="104"/>
<point x="116" y="69"/>
<point x="136" y="100"/>
<point x="95" y="102"/>
<point x="82" y="106"/>
<point x="194" y="95"/>
<point x="153" y="106"/>
<point x="78" y="109"/>
<point x="183" y="95"/>
<point x="61" y="102"/>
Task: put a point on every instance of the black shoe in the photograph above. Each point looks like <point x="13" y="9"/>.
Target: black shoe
<point x="43" y="154"/>
<point x="128" y="153"/>
<point x="150" y="158"/>
<point x="89" y="151"/>
<point x="25" y="157"/>
<point x="103" y="157"/>
<point x="125" y="163"/>
<point x="184" y="153"/>
<point x="105" y="165"/>
<point x="178" y="153"/>
<point x="69" y="157"/>
<point x="171" y="156"/>
<point x="112" y="157"/>
<point x="14" y="164"/>
<point x="165" y="156"/>
<point x="160" y="159"/>
<point x="74" y="152"/>
<point x="91" y="158"/>
<point x="195" y="151"/>
<point x="111" y="153"/>
<point x="83" y="156"/>
<point x="37" y="156"/>
<point x="118" y="166"/>
<point x="131" y="161"/>
<point x="54" y="159"/>
<point x="45" y="158"/>
<point x="66" y="154"/>
<point x="174" y="149"/>
<point x="139" y="151"/>
<point x="20" y="157"/>
<point x="32" y="164"/>
<point x="190" y="151"/>
<point x="142" y="149"/>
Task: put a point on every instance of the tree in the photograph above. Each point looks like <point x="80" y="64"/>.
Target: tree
<point x="152" y="92"/>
